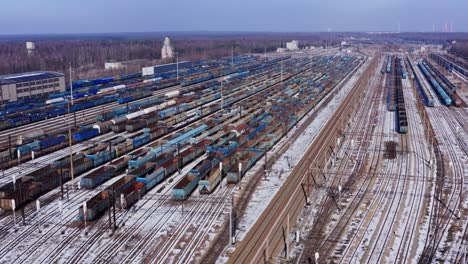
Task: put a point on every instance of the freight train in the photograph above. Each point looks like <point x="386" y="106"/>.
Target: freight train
<point x="450" y="64"/>
<point x="389" y="64"/>
<point x="147" y="167"/>
<point x="425" y="95"/>
<point x="400" y="108"/>
<point x="438" y="89"/>
<point x="90" y="93"/>
<point x="446" y="85"/>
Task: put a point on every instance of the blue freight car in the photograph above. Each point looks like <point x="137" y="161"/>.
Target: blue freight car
<point x="101" y="156"/>
<point x="168" y="112"/>
<point x="97" y="177"/>
<point x="389" y="64"/>
<point x="142" y="170"/>
<point x="138" y="162"/>
<point x="185" y="187"/>
<point x="51" y="141"/>
<point x="95" y="206"/>
<point x="85" y="134"/>
<point x="440" y="91"/>
<point x="153" y="178"/>
<point x="141" y="140"/>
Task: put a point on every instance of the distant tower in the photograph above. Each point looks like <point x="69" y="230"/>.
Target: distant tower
<point x="31" y="47"/>
<point x="167" y="51"/>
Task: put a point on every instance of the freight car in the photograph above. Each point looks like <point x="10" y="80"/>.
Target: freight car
<point x="185" y="187"/>
<point x="31" y="186"/>
<point x="131" y="195"/>
<point x="426" y="97"/>
<point x="446" y="85"/>
<point x="153" y="176"/>
<point x="97" y="177"/>
<point x="440" y="92"/>
<point x="389" y="64"/>
<point x="97" y="205"/>
<point x="208" y="185"/>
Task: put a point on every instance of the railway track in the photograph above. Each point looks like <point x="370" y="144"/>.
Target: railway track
<point x="448" y="206"/>
<point x="368" y="121"/>
<point x="95" y="231"/>
<point x="419" y="147"/>
<point x="358" y="153"/>
<point x="167" y="246"/>
<point x="58" y="251"/>
<point x="374" y="202"/>
<point x="222" y="239"/>
<point x="267" y="237"/>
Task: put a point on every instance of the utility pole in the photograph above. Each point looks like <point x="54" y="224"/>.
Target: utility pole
<point x="38" y="208"/>
<point x="113" y="207"/>
<point x="61" y="179"/>
<point x="71" y="85"/>
<point x="110" y="215"/>
<point x="178" y="158"/>
<point x="230" y="223"/>
<point x="281" y="65"/>
<point x="85" y="209"/>
<point x="232" y="56"/>
<point x="240" y="174"/>
<point x="13" y="208"/>
<point x="71" y="150"/>
<point x="9" y="145"/>
<point x="177" y="64"/>
<point x="110" y="151"/>
<point x="222" y="98"/>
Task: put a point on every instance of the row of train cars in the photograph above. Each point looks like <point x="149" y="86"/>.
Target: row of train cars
<point x="151" y="123"/>
<point x="251" y="131"/>
<point x="395" y="99"/>
<point x="229" y="152"/>
<point x="445" y="90"/>
<point x="165" y="108"/>
<point x="451" y="63"/>
<point x="396" y="70"/>
<point x="121" y="89"/>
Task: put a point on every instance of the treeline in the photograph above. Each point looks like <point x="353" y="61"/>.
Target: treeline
<point x="87" y="56"/>
<point x="460" y="49"/>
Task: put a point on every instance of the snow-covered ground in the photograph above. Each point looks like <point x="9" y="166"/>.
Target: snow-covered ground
<point x="392" y="221"/>
<point x="284" y="164"/>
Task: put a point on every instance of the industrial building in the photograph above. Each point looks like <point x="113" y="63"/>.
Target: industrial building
<point x="30" y="47"/>
<point x="116" y="65"/>
<point x="293" y="45"/>
<point x="167" y="51"/>
<point x="15" y="87"/>
<point x="165" y="68"/>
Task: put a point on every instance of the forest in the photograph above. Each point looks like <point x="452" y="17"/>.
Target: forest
<point x="87" y="55"/>
<point x="460" y="49"/>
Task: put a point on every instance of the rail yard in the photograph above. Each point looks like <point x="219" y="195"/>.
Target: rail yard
<point x="356" y="155"/>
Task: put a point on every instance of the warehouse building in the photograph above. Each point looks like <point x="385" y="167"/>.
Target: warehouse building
<point x="165" y="68"/>
<point x="116" y="65"/>
<point x="16" y="87"/>
<point x="293" y="45"/>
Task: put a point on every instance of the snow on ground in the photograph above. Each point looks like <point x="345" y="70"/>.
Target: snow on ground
<point x="281" y="169"/>
<point x="453" y="142"/>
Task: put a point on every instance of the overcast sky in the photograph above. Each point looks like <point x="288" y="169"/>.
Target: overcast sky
<point x="98" y="16"/>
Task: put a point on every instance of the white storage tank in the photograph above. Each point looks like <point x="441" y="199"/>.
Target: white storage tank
<point x="172" y="94"/>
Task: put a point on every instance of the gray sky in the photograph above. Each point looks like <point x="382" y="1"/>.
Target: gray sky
<point x="95" y="16"/>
